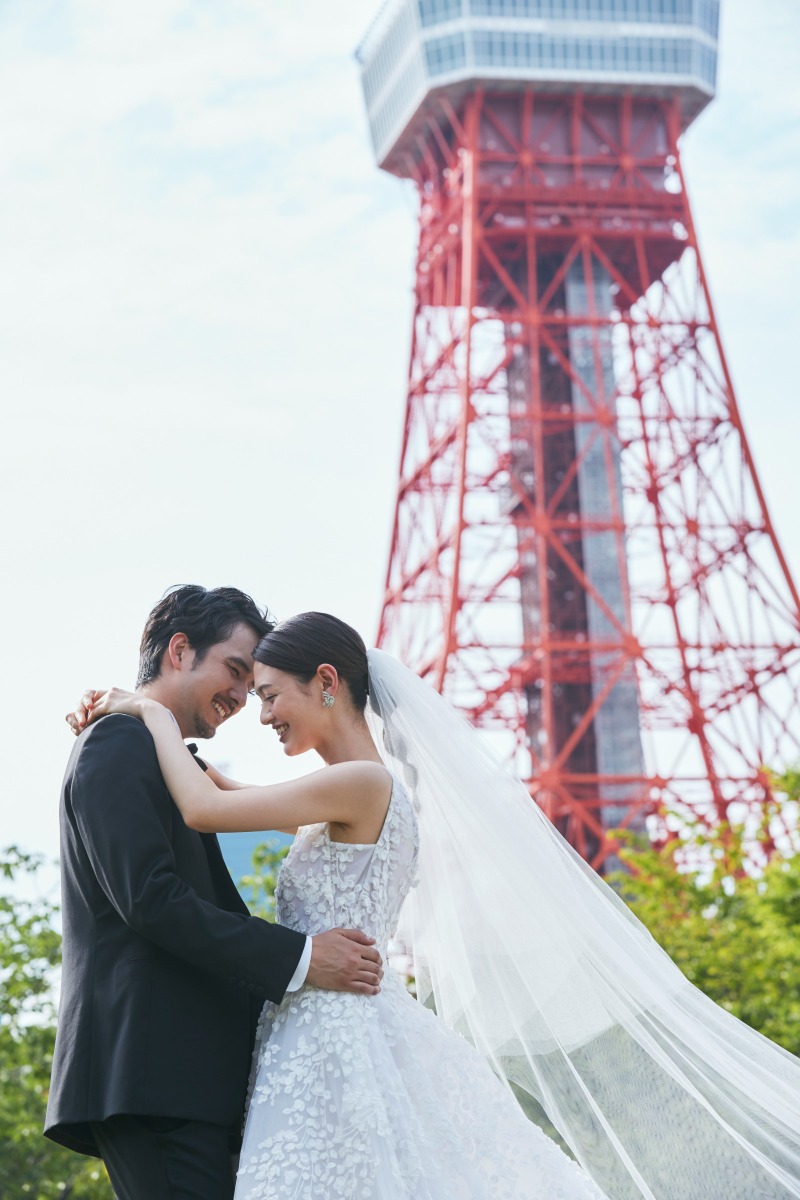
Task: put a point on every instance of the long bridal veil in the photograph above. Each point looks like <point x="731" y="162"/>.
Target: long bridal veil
<point x="524" y="950"/>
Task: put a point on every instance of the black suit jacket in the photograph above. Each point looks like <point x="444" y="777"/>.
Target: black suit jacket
<point x="164" y="969"/>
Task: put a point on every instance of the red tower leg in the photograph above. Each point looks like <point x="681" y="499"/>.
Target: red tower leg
<point x="582" y="558"/>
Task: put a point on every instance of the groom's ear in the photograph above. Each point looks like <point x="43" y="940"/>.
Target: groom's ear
<point x="179" y="654"/>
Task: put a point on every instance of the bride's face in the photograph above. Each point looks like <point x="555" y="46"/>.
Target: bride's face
<point x="292" y="708"/>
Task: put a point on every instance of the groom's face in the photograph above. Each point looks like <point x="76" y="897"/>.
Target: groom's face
<point x="212" y="689"/>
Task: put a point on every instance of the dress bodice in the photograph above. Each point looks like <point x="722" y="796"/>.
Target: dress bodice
<point x="325" y="884"/>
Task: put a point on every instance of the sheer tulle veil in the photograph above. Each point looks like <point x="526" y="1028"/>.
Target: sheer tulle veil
<point x="524" y="950"/>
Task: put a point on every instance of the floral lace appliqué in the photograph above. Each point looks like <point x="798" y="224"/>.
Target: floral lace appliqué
<point x="374" y="1098"/>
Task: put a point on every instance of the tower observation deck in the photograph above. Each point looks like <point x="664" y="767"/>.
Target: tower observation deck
<point x="416" y="48"/>
<point x="581" y="556"/>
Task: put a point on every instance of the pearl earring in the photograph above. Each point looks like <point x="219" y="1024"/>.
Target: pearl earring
<point x="327" y="699"/>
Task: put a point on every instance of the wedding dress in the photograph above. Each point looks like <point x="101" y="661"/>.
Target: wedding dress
<point x="375" y="1098"/>
<point x="547" y="990"/>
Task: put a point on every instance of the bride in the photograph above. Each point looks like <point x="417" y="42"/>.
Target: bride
<point x="541" y="1000"/>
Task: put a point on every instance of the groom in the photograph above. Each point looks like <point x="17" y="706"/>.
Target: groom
<point x="164" y="969"/>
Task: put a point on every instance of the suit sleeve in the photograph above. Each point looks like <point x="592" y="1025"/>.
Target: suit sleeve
<point x="124" y="821"/>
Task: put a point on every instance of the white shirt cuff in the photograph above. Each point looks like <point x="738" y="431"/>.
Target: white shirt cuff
<point x="299" y="977"/>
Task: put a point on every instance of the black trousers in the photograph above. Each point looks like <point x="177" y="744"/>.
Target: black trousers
<point x="158" y="1158"/>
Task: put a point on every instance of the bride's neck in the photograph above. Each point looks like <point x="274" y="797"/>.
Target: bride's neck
<point x="349" y="743"/>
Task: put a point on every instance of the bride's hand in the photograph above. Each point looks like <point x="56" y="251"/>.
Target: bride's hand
<point x="79" y="719"/>
<point x="94" y="704"/>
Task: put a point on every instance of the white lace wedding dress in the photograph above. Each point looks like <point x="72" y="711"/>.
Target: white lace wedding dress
<point x="374" y="1098"/>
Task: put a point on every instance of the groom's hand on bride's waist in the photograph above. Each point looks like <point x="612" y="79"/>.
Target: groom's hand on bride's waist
<point x="345" y="960"/>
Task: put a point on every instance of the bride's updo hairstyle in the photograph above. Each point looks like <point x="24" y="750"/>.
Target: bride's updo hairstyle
<point x="301" y="644"/>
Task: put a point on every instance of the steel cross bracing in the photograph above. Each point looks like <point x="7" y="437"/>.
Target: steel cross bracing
<point x="581" y="557"/>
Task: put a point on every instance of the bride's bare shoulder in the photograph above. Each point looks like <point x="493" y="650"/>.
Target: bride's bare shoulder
<point x="371" y="779"/>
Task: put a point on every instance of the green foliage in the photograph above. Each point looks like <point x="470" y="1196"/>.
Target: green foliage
<point x="30" y="951"/>
<point x="735" y="935"/>
<point x="259" y="888"/>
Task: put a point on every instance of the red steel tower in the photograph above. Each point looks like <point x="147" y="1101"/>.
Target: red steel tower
<point x="581" y="555"/>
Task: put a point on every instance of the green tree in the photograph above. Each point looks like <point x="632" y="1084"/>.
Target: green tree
<point x="30" y="952"/>
<point x="733" y="932"/>
<point x="258" y="888"/>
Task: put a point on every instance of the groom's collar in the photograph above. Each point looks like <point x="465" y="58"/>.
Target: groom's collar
<point x="192" y="748"/>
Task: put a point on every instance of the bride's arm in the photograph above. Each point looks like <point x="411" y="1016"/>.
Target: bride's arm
<point x="81" y="716"/>
<point x="342" y="793"/>
<point x="224" y="782"/>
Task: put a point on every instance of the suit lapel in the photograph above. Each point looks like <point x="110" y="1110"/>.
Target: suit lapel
<point x="226" y="888"/>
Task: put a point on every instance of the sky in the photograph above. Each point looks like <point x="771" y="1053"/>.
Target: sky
<point x="205" y="303"/>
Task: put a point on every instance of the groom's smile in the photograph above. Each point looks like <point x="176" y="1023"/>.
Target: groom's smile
<point x="222" y="708"/>
<point x="207" y="689"/>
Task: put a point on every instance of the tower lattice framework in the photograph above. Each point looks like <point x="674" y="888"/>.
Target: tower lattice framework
<point x="581" y="555"/>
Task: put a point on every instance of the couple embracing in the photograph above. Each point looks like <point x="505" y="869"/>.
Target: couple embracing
<point x="186" y="1024"/>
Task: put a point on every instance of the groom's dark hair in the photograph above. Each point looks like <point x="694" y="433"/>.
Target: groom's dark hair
<point x="206" y="617"/>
